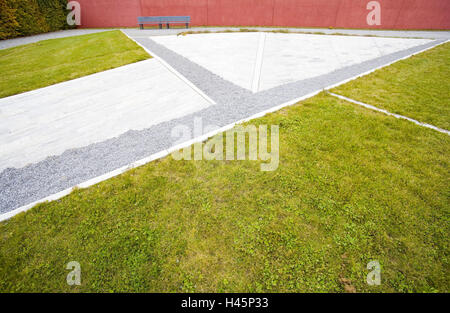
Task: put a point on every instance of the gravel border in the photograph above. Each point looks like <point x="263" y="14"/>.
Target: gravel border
<point x="22" y="186"/>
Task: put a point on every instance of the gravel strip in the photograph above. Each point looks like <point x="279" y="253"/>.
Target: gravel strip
<point x="19" y="187"/>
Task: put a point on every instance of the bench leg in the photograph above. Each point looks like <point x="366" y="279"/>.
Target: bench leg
<point x="160" y="26"/>
<point x="141" y="26"/>
<point x="168" y="26"/>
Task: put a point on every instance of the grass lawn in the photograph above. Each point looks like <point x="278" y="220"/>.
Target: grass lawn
<point x="48" y="62"/>
<point x="417" y="87"/>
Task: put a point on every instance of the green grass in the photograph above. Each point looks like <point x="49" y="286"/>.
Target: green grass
<point x="48" y="62"/>
<point x="417" y="87"/>
<point x="352" y="186"/>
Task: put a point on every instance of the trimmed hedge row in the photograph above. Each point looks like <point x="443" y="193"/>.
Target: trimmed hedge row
<point x="29" y="17"/>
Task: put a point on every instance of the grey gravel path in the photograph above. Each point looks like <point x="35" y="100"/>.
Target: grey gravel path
<point x="9" y="43"/>
<point x="22" y="186"/>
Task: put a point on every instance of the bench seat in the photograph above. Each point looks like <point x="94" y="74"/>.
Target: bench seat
<point x="163" y="20"/>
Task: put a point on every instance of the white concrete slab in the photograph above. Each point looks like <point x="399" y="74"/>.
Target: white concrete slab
<point x="258" y="62"/>
<point x="232" y="56"/>
<point x="48" y="121"/>
<point x="293" y="57"/>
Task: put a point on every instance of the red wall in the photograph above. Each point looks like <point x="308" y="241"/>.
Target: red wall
<point x="395" y="14"/>
<point x="109" y="13"/>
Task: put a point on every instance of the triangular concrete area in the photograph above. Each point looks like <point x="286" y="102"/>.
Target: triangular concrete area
<point x="261" y="61"/>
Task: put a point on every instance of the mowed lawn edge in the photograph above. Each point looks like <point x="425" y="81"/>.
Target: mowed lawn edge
<point x="417" y="87"/>
<point x="352" y="186"/>
<point x="32" y="66"/>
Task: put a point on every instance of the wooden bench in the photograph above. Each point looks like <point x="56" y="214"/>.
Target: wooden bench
<point x="163" y="20"/>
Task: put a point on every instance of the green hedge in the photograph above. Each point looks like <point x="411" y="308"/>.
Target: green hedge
<point x="29" y="17"/>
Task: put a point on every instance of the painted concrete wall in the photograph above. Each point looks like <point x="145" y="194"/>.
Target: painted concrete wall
<point x="395" y="14"/>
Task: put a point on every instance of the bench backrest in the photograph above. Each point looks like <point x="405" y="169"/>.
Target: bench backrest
<point x="164" y="19"/>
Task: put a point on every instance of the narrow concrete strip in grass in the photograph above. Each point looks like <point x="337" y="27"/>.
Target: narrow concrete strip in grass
<point x="371" y="107"/>
<point x="409" y="87"/>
